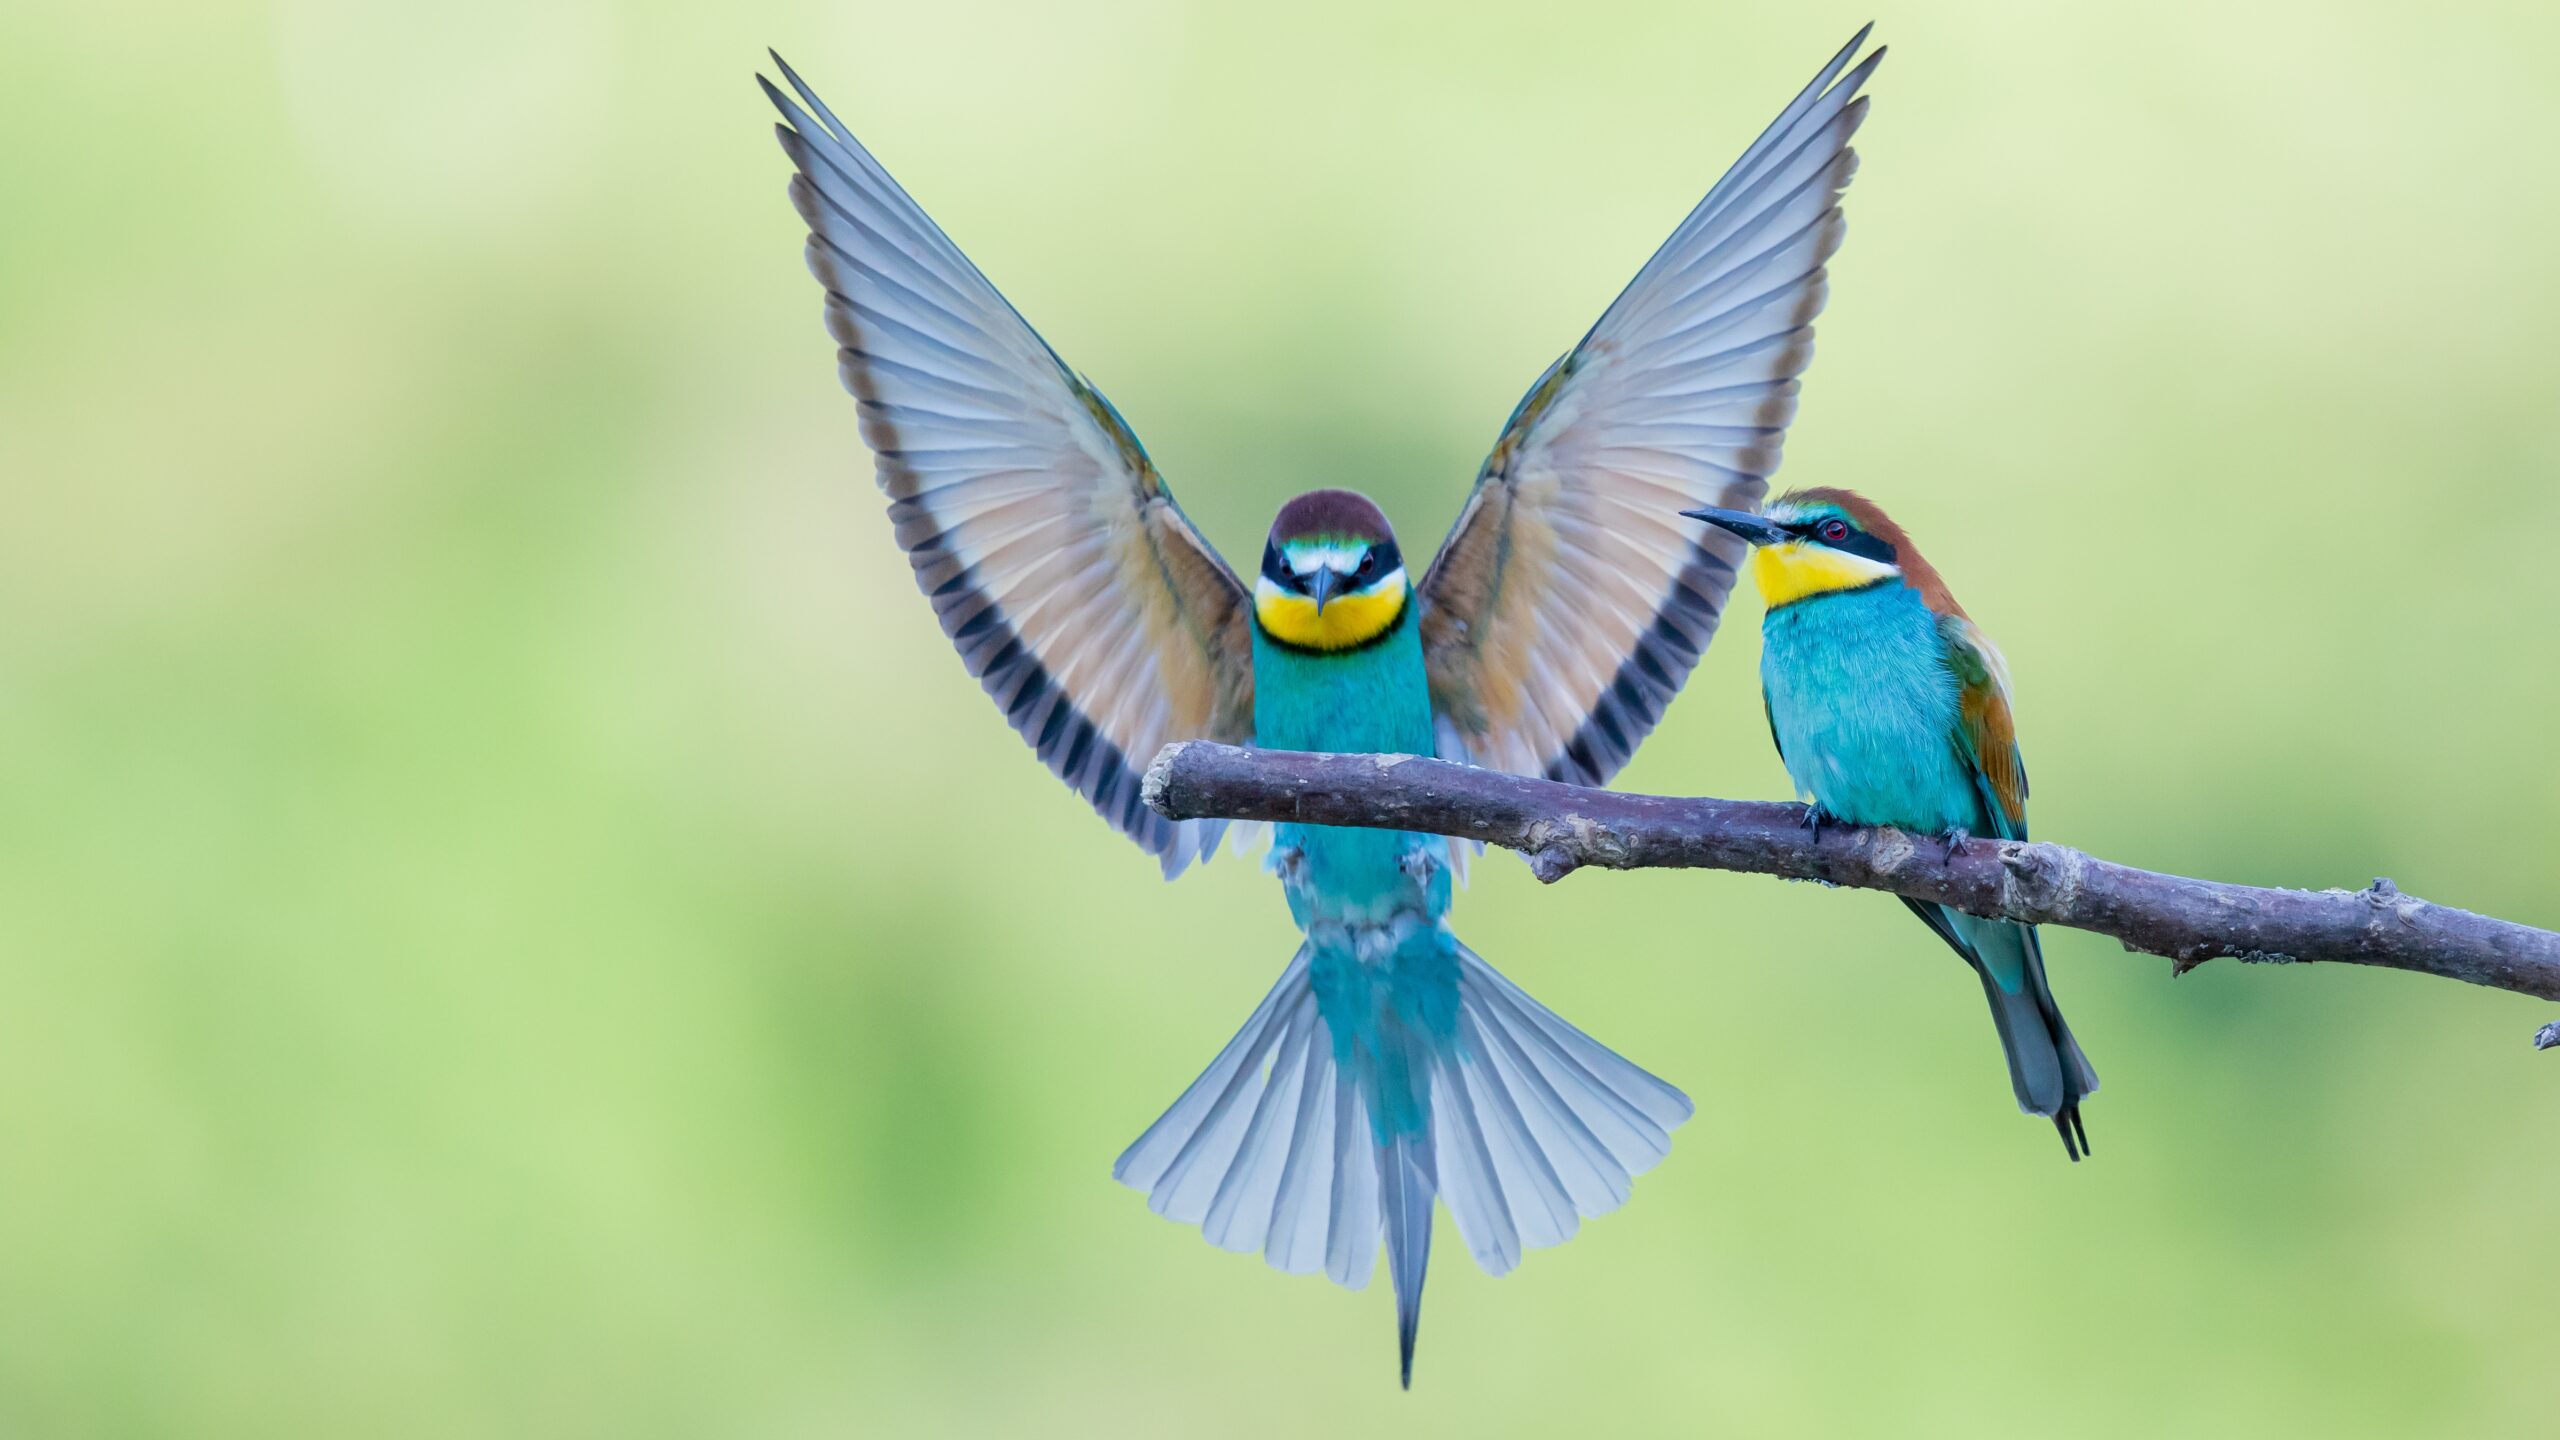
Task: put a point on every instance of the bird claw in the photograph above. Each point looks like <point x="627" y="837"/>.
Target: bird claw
<point x="1813" y="821"/>
<point x="1954" y="838"/>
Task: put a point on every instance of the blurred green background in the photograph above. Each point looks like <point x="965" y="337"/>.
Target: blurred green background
<point x="513" y="922"/>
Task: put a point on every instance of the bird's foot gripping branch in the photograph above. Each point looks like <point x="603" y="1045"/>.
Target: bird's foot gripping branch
<point x="1562" y="828"/>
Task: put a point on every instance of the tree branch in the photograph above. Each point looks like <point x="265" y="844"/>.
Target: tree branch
<point x="1562" y="828"/>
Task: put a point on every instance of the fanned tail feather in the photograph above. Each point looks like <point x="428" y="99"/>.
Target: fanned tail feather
<point x="1406" y="1165"/>
<point x="1530" y="1126"/>
<point x="1539" y="1126"/>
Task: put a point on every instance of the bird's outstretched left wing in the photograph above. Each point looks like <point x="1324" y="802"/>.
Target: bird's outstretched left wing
<point x="1075" y="590"/>
<point x="1570" y="602"/>
<point x="1986" y="733"/>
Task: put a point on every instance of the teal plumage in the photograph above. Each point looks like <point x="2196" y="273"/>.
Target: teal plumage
<point x="1388" y="1016"/>
<point x="1447" y="1082"/>
<point x="1389" y="1068"/>
<point x="1862" y="706"/>
<point x="1889" y="707"/>
<point x="1375" y="698"/>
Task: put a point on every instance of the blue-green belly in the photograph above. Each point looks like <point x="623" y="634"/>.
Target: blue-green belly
<point x="1383" y="965"/>
<point x="1374" y="699"/>
<point x="1864" y="709"/>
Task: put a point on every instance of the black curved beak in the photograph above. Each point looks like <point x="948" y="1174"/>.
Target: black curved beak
<point x="1323" y="585"/>
<point x="1754" y="528"/>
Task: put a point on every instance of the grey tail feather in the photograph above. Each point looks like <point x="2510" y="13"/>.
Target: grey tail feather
<point x="1405" y="1191"/>
<point x="2079" y="1079"/>
<point x="1525" y="1127"/>
<point x="2068" y="1122"/>
<point x="2046" y="1067"/>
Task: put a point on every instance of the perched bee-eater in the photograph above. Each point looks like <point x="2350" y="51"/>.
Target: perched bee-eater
<point x="1890" y="707"/>
<point x="1389" y="1065"/>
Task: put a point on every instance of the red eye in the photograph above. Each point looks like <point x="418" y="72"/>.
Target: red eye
<point x="1833" y="532"/>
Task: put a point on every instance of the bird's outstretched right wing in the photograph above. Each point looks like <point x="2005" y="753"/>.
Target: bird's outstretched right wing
<point x="1570" y="602"/>
<point x="1074" y="588"/>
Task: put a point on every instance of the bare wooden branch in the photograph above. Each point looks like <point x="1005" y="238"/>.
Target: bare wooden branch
<point x="1562" y="828"/>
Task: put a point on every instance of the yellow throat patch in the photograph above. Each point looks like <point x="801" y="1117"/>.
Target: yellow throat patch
<point x="1346" y="621"/>
<point x="1790" y="572"/>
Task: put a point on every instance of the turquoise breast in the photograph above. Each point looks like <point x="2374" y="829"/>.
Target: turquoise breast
<point x="1864" y="708"/>
<point x="1371" y="699"/>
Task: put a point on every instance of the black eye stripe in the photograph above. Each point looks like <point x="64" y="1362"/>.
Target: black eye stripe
<point x="1856" y="542"/>
<point x="1277" y="571"/>
<point x="1382" y="558"/>
<point x="1862" y="543"/>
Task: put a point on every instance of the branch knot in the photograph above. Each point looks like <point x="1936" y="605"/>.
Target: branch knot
<point x="2040" y="882"/>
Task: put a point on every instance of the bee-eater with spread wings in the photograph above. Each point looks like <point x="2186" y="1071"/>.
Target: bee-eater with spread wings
<point x="1389" y="1064"/>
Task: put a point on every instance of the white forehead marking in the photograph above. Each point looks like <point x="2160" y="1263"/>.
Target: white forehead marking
<point x="1267" y="590"/>
<point x="1306" y="557"/>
